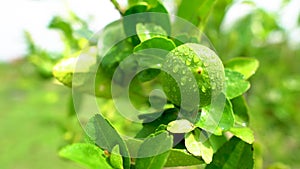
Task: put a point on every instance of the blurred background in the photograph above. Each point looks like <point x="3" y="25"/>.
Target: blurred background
<point x="35" y="110"/>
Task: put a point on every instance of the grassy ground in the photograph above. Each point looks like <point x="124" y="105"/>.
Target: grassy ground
<point x="30" y="109"/>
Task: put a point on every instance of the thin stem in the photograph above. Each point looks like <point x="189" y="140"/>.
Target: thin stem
<point x="117" y="6"/>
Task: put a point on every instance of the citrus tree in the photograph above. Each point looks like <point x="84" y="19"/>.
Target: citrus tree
<point x="158" y="72"/>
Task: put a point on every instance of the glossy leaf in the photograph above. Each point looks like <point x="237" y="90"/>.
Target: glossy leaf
<point x="217" y="141"/>
<point x="137" y="8"/>
<point x="240" y="110"/>
<point x="197" y="143"/>
<point x="224" y="123"/>
<point x="157" y="42"/>
<point x="148" y="128"/>
<point x="154" y="151"/>
<point x="133" y="145"/>
<point x="114" y="56"/>
<point x="150" y="54"/>
<point x="163" y="18"/>
<point x="148" y="74"/>
<point x="235" y="84"/>
<point x="88" y="155"/>
<point x="245" y="66"/>
<point x="149" y="2"/>
<point x="233" y="154"/>
<point x="154" y="13"/>
<point x="106" y="137"/>
<point x="180" y="157"/>
<point x="244" y="133"/>
<point x="115" y="158"/>
<point x="227" y="120"/>
<point x="149" y="30"/>
<point x="161" y="128"/>
<point x="180" y="126"/>
<point x="131" y="22"/>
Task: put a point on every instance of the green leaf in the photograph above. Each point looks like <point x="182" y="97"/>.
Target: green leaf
<point x="234" y="154"/>
<point x="58" y="23"/>
<point x="197" y="143"/>
<point x="135" y="2"/>
<point x="245" y="66"/>
<point x="205" y="11"/>
<point x="186" y="38"/>
<point x="180" y="126"/>
<point x="149" y="30"/>
<point x="102" y="84"/>
<point x="88" y="155"/>
<point x="179" y="157"/>
<point x="240" y="110"/>
<point x="218" y="14"/>
<point x="217" y="141"/>
<point x="188" y="10"/>
<point x="31" y="46"/>
<point x="115" y="158"/>
<point x="137" y="8"/>
<point x="161" y="17"/>
<point x="156" y="43"/>
<point x="110" y="36"/>
<point x="133" y="145"/>
<point x="131" y="22"/>
<point x="150" y="55"/>
<point x="161" y="128"/>
<point x="225" y="122"/>
<point x="235" y="84"/>
<point x="154" y="151"/>
<point x="244" y="133"/>
<point x="146" y="13"/>
<point x="106" y="137"/>
<point x="148" y="128"/>
<point x="148" y="74"/>
<point x="114" y="56"/>
<point x="196" y="11"/>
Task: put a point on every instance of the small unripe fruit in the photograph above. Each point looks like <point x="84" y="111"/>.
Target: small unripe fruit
<point x="186" y="78"/>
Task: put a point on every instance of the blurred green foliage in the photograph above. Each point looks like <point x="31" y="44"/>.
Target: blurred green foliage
<point x="33" y="122"/>
<point x="273" y="97"/>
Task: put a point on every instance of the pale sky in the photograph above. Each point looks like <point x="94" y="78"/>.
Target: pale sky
<point x="34" y="16"/>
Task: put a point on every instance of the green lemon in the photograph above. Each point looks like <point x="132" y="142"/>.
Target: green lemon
<point x="84" y="75"/>
<point x="80" y="72"/>
<point x="191" y="72"/>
